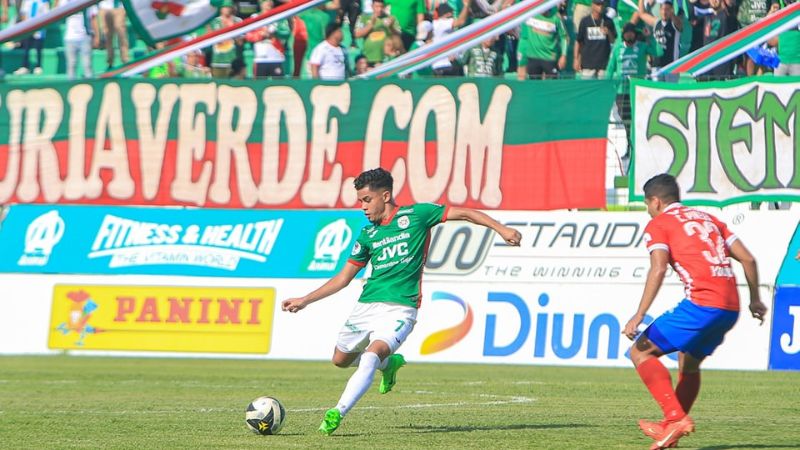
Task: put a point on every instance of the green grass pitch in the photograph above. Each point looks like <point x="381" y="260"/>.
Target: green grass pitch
<point x="152" y="403"/>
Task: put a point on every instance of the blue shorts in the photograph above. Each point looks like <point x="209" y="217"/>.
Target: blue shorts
<point x="693" y="329"/>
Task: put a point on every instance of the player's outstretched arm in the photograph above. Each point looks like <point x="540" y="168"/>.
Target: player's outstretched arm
<point x="332" y="286"/>
<point x="510" y="235"/>
<point x="655" y="277"/>
<point x="740" y="253"/>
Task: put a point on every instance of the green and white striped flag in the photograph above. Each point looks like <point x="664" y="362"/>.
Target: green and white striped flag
<point x="159" y="20"/>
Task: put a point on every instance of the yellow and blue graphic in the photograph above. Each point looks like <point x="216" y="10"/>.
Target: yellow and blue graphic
<point x="81" y="307"/>
<point x="444" y="339"/>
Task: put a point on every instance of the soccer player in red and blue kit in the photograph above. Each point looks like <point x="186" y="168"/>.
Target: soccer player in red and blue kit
<point x="697" y="245"/>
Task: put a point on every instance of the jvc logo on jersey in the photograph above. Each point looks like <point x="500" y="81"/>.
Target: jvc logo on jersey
<point x="457" y="249"/>
<point x="42" y="235"/>
<point x="331" y="241"/>
<point x="393" y="251"/>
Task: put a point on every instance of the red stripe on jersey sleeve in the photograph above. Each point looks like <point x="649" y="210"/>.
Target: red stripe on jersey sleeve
<point x="444" y="214"/>
<point x="357" y="263"/>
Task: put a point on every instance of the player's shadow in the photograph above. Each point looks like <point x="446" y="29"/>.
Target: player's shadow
<point x="511" y="427"/>
<point x="748" y="446"/>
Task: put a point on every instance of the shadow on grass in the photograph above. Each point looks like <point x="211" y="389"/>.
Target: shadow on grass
<point x="734" y="446"/>
<point x="511" y="427"/>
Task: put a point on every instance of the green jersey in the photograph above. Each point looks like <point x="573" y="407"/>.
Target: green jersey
<point x="405" y="11"/>
<point x="224" y="52"/>
<point x="750" y="11"/>
<point x="396" y="249"/>
<point x="482" y="62"/>
<point x="789" y="46"/>
<point x="543" y="36"/>
<point x="373" y="42"/>
<point x="628" y="61"/>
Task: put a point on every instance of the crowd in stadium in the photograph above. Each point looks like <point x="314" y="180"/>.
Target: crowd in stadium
<point x="581" y="38"/>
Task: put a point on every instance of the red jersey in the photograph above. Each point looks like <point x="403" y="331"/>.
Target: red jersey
<point x="699" y="251"/>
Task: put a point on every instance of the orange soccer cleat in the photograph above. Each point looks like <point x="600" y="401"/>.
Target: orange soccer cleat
<point x="672" y="432"/>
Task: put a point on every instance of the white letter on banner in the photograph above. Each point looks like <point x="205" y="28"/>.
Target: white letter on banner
<point x="482" y="143"/>
<point x="282" y="101"/>
<point x="316" y="191"/>
<point x="388" y="97"/>
<point x="75" y="182"/>
<point x="192" y="143"/>
<point x="8" y="183"/>
<point x="438" y="100"/>
<point x="109" y="121"/>
<point x="790" y="342"/>
<point x="39" y="152"/>
<point x="152" y="137"/>
<point x="232" y="141"/>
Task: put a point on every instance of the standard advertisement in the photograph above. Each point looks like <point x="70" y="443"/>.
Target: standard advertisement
<point x="294" y="144"/>
<point x="161" y="318"/>
<point x="163" y="241"/>
<point x="585" y="248"/>
<point x="726" y="142"/>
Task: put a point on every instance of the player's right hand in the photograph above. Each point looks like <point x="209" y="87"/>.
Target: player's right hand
<point x="293" y="305"/>
<point x="631" y="329"/>
<point x="758" y="310"/>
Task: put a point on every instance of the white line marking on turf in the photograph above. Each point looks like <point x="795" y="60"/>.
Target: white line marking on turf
<point x="510" y="400"/>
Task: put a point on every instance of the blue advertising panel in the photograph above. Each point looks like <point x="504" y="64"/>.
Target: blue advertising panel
<point x="175" y="241"/>
<point x="784" y="347"/>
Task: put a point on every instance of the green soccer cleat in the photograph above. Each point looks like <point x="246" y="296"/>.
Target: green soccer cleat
<point x="331" y="422"/>
<point x="389" y="377"/>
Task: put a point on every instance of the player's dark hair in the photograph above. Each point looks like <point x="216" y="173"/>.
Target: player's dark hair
<point x="375" y="179"/>
<point x="664" y="187"/>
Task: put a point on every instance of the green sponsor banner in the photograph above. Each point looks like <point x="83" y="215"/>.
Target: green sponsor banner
<point x="299" y="144"/>
<point x="726" y="142"/>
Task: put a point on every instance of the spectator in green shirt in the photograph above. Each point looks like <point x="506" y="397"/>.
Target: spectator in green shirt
<point x="628" y="59"/>
<point x="408" y="13"/>
<point x="788" y="44"/>
<point x="543" y="46"/>
<point x="316" y="21"/>
<point x="224" y="52"/>
<point x="376" y="28"/>
<point x="483" y="61"/>
<point x="748" y="13"/>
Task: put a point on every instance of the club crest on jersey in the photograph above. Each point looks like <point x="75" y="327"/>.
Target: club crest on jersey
<point x="356" y="249"/>
<point x="403" y="222"/>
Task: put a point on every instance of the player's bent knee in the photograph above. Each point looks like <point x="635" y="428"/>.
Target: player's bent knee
<point x="341" y="364"/>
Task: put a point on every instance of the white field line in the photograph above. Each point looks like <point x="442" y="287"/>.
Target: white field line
<point x="501" y="400"/>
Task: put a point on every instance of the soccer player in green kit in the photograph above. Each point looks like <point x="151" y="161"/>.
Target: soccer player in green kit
<point x="396" y="243"/>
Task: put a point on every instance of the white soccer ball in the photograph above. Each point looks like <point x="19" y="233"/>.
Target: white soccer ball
<point x="265" y="415"/>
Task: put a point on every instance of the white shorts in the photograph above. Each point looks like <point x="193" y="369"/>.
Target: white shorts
<point x="369" y="322"/>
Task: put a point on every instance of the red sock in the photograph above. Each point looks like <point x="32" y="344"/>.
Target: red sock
<point x="657" y="379"/>
<point x="687" y="389"/>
